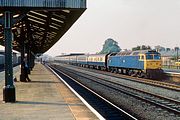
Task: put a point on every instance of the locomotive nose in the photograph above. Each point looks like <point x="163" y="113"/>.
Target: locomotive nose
<point x="153" y="65"/>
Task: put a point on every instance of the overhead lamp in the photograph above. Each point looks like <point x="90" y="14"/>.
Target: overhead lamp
<point x="54" y="32"/>
<point x="57" y="20"/>
<point x="13" y="28"/>
<point x="35" y="21"/>
<point x="38" y="13"/>
<point x="18" y="30"/>
<point x="35" y="17"/>
<point x="15" y="16"/>
<point x="66" y="11"/>
<point x="60" y="16"/>
<point x="53" y="27"/>
<point x="56" y="25"/>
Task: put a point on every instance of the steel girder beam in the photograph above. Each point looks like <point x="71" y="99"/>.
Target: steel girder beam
<point x="59" y="17"/>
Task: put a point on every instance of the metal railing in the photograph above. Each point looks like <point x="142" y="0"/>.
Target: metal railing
<point x="170" y="67"/>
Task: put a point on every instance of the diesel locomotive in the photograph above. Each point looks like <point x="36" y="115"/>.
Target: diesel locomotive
<point x="143" y="63"/>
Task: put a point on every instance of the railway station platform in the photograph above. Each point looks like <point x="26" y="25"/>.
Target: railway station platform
<point x="44" y="98"/>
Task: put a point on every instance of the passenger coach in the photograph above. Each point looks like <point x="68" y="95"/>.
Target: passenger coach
<point x="143" y="63"/>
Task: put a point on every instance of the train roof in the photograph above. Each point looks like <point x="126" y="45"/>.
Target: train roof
<point x="14" y="51"/>
<point x="96" y="54"/>
<point x="124" y="53"/>
<point x="72" y="54"/>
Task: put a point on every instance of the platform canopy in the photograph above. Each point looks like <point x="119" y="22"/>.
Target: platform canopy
<point x="40" y="23"/>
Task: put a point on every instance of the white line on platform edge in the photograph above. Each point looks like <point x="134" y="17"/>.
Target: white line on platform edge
<point x="81" y="98"/>
<point x="100" y="96"/>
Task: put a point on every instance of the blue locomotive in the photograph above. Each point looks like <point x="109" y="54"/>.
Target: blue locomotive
<point x="137" y="63"/>
<point x="143" y="63"/>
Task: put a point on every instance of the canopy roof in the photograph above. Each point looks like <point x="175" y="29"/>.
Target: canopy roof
<point x="40" y="23"/>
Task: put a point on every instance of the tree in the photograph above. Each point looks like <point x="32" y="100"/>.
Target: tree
<point x="110" y="46"/>
<point x="176" y="48"/>
<point x="168" y="49"/>
<point x="143" y="47"/>
<point x="159" y="48"/>
<point x="136" y="48"/>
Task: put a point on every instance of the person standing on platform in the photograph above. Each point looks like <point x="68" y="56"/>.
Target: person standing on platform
<point x="26" y="71"/>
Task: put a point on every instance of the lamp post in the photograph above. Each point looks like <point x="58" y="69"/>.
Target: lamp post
<point x="177" y="57"/>
<point x="177" y="50"/>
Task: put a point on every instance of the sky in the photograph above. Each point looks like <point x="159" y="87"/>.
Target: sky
<point x="129" y="22"/>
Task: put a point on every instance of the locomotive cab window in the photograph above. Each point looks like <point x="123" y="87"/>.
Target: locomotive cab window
<point x="157" y="57"/>
<point x="149" y="56"/>
<point x="153" y="56"/>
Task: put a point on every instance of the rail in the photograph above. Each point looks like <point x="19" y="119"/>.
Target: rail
<point x="107" y="109"/>
<point x="158" y="100"/>
<point x="161" y="84"/>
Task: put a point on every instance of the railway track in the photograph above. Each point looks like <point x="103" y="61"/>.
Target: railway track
<point x="108" y="110"/>
<point x="165" y="103"/>
<point x="156" y="83"/>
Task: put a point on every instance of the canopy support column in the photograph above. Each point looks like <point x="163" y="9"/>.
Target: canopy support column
<point x="9" y="94"/>
<point x="22" y="75"/>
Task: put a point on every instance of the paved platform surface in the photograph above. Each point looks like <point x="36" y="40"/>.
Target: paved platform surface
<point x="44" y="98"/>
